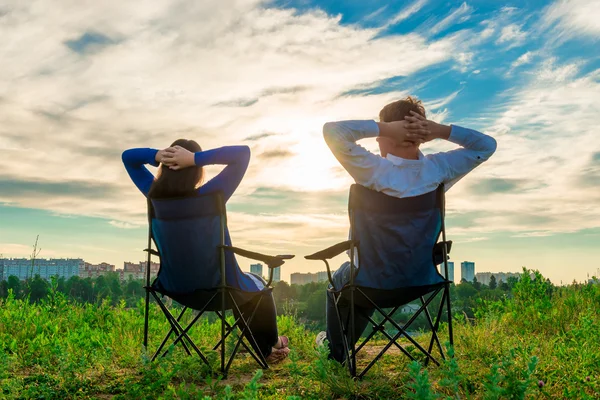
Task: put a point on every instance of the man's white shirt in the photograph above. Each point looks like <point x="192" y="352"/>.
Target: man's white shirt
<point x="400" y="177"/>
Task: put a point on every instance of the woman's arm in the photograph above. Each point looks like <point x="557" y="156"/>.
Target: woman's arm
<point x="135" y="160"/>
<point x="236" y="159"/>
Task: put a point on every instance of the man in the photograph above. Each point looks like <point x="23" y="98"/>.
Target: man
<point x="401" y="171"/>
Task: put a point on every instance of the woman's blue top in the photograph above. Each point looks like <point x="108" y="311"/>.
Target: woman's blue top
<point x="236" y="159"/>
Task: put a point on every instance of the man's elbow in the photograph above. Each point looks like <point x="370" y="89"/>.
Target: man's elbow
<point x="329" y="131"/>
<point x="490" y="150"/>
<point x="493" y="146"/>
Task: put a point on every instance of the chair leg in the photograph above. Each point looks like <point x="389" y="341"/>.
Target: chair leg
<point x="169" y="335"/>
<point x="381" y="353"/>
<point x="352" y="329"/>
<point x="183" y="332"/>
<point x="170" y="319"/>
<point x="434" y="328"/>
<point x="402" y="330"/>
<point x="146" y="316"/>
<point x="449" y="310"/>
<point x="376" y="328"/>
<point x="258" y="357"/>
<point x="341" y="326"/>
<point x="223" y="332"/>
<point x="230" y="329"/>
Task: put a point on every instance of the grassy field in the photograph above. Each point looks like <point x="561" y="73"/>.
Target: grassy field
<point x="543" y="342"/>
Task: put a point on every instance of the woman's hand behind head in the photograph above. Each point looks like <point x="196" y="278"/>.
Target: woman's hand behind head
<point x="177" y="157"/>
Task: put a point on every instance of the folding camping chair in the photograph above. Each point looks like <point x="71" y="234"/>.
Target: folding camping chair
<point x="396" y="244"/>
<point x="190" y="237"/>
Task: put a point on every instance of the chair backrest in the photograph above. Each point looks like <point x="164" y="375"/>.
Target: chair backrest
<point x="187" y="233"/>
<point x="397" y="237"/>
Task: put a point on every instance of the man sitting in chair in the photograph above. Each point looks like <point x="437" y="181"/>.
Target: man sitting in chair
<point x="401" y="171"/>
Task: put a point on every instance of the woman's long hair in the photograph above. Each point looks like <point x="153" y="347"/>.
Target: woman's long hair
<point x="177" y="183"/>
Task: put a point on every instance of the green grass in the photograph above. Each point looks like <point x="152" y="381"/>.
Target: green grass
<point x="541" y="343"/>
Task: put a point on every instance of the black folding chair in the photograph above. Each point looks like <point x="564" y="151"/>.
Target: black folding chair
<point x="396" y="243"/>
<point x="197" y="270"/>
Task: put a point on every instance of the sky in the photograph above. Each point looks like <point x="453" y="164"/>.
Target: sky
<point x="81" y="81"/>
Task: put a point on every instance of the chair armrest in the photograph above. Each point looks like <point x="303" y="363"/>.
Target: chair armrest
<point x="332" y="251"/>
<point x="271" y="261"/>
<point x="153" y="252"/>
<point x="438" y="251"/>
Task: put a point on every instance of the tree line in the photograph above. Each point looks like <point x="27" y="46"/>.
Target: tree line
<point x="306" y="302"/>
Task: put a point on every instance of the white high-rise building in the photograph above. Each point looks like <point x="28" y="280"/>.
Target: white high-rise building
<point x="276" y="274"/>
<point x="467" y="270"/>
<point x="24" y="268"/>
<point x="450" y="276"/>
<point x="257" y="269"/>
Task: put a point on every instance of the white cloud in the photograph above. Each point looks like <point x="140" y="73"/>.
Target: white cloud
<point x="67" y="116"/>
<point x="547" y="144"/>
<point x="513" y="35"/>
<point x="461" y="14"/>
<point x="523" y="59"/>
<point x="124" y="225"/>
<point x="15" y="250"/>
<point x="407" y="12"/>
<point x="573" y="17"/>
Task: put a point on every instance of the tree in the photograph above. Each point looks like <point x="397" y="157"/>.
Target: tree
<point x="37" y="289"/>
<point x="3" y="289"/>
<point x="476" y="284"/>
<point x="315" y="306"/>
<point x="283" y="292"/>
<point x="36" y="252"/>
<point x="15" y="284"/>
<point x="101" y="289"/>
<point x="114" y="283"/>
<point x="493" y="283"/>
<point x="133" y="291"/>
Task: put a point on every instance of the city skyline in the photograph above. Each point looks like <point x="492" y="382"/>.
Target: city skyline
<point x="108" y="76"/>
<point x="137" y="271"/>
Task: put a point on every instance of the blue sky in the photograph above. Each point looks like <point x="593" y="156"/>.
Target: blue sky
<point x="79" y="83"/>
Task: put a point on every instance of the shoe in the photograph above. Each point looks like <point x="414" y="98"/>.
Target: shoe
<point x="320" y="339"/>
<point x="278" y="355"/>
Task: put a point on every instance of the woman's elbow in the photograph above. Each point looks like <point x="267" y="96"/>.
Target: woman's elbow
<point x="125" y="156"/>
<point x="244" y="154"/>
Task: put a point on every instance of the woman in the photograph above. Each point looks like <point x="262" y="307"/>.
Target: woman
<point x="180" y="173"/>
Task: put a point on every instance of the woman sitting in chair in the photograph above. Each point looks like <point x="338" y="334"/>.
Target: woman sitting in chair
<point x="180" y="174"/>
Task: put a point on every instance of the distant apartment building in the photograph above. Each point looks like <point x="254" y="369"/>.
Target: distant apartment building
<point x="484" y="277"/>
<point x="137" y="270"/>
<point x="95" y="270"/>
<point x="257" y="269"/>
<point x="24" y="268"/>
<point x="467" y="270"/>
<point x="276" y="274"/>
<point x="450" y="276"/>
<point x="298" y="278"/>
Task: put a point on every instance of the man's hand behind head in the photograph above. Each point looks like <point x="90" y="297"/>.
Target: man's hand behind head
<point x="423" y="129"/>
<point x="398" y="132"/>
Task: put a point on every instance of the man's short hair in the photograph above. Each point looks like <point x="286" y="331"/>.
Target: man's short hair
<point x="397" y="110"/>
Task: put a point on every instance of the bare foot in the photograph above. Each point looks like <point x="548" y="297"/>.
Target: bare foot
<point x="282" y="342"/>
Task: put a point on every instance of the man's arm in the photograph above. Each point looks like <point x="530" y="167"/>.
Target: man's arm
<point x="341" y="138"/>
<point x="476" y="147"/>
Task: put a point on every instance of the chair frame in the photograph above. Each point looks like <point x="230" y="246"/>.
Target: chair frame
<point x="223" y="295"/>
<point x="350" y="291"/>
